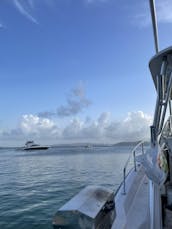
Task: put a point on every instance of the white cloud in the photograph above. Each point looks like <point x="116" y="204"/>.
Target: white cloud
<point x="101" y="130"/>
<point x="2" y="26"/>
<point x="20" y="7"/>
<point x="76" y="103"/>
<point x="33" y="122"/>
<point x="28" y="7"/>
<point x="163" y="11"/>
<point x="104" y="118"/>
<point x="134" y="127"/>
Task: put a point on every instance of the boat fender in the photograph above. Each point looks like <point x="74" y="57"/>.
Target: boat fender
<point x="109" y="206"/>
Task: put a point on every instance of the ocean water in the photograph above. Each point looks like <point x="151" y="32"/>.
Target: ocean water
<point x="33" y="185"/>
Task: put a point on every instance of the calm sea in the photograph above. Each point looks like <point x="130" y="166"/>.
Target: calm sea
<point x="33" y="185"/>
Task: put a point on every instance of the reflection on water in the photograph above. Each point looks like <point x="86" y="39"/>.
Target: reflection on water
<point x="33" y="185"/>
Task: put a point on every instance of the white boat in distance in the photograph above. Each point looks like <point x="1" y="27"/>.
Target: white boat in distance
<point x="30" y="145"/>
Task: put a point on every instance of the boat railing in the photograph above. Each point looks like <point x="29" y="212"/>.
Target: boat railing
<point x="138" y="149"/>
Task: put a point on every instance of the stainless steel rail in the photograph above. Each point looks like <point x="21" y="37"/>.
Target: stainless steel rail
<point x="140" y="146"/>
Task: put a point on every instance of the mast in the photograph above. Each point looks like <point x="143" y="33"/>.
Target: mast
<point x="154" y="24"/>
<point x="157" y="115"/>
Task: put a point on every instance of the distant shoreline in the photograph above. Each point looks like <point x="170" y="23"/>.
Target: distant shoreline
<point x="85" y="145"/>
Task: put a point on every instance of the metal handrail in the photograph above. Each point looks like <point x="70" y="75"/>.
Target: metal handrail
<point x="133" y="153"/>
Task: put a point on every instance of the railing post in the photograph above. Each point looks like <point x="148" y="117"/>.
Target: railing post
<point x="124" y="173"/>
<point x="142" y="149"/>
<point x="134" y="155"/>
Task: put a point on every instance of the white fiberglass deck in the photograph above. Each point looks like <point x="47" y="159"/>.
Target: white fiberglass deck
<point x="132" y="209"/>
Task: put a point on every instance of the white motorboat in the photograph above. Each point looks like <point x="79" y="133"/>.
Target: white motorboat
<point x="30" y="145"/>
<point x="144" y="198"/>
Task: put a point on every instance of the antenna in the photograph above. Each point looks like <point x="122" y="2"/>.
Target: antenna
<point x="154" y="24"/>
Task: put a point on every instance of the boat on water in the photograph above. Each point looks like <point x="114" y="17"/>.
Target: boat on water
<point x="144" y="198"/>
<point x="30" y="145"/>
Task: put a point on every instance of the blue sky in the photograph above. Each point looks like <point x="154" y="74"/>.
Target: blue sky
<point x="77" y="70"/>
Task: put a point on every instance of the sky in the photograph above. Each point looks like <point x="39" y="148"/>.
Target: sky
<point x="75" y="71"/>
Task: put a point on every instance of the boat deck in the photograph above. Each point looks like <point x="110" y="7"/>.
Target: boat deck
<point x="132" y="209"/>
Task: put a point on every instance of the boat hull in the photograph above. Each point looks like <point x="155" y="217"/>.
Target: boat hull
<point x="37" y="148"/>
